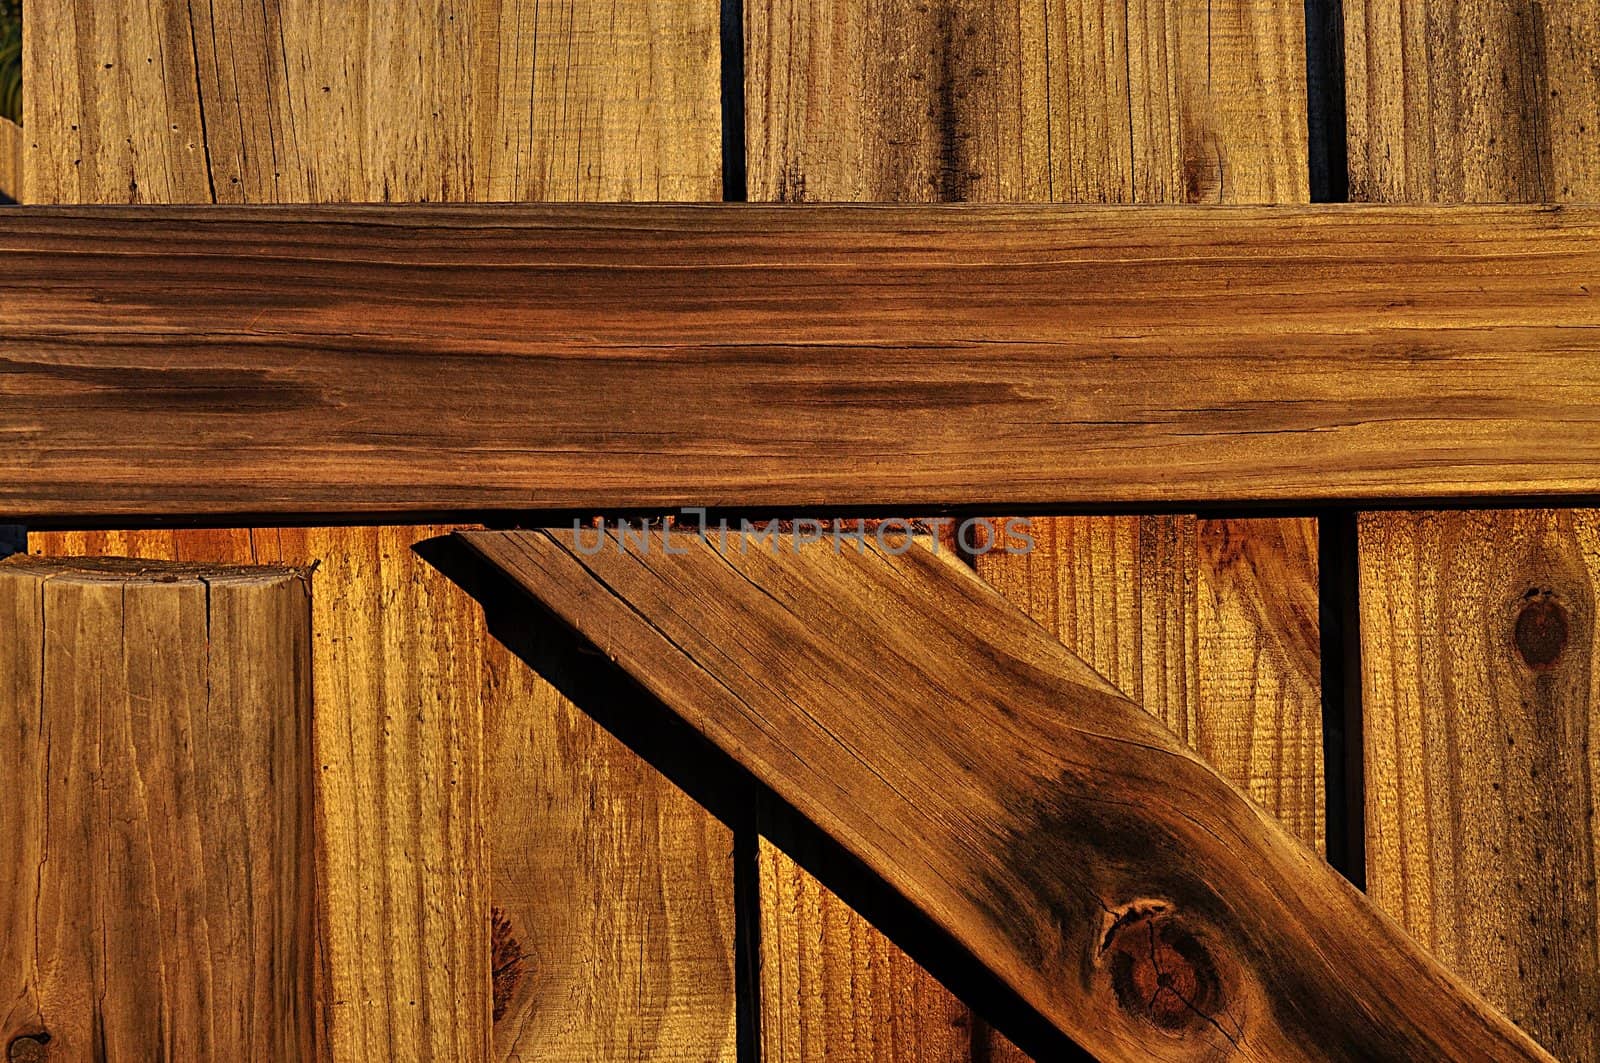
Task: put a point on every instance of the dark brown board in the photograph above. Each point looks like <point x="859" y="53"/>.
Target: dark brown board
<point x="270" y="360"/>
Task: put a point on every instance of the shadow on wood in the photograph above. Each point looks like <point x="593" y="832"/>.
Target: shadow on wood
<point x="1054" y="828"/>
<point x="572" y="664"/>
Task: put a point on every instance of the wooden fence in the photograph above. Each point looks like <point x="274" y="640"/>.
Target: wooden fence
<point x="1408" y="690"/>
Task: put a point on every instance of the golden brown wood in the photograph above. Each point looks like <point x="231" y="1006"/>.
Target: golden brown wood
<point x="154" y="101"/>
<point x="1473" y="101"/>
<point x="1258" y="720"/>
<point x="400" y="856"/>
<point x="1057" y="830"/>
<point x="1209" y="624"/>
<point x="834" y="987"/>
<point x="403" y="657"/>
<point x="933" y="355"/>
<point x="617" y="885"/>
<point x="157" y="898"/>
<point x="983" y="101"/>
<point x="10" y="160"/>
<point x="959" y="100"/>
<point x="1478" y="637"/>
<point x="1469" y="836"/>
<point x="357" y="101"/>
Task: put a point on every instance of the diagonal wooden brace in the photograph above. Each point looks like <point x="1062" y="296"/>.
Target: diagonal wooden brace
<point x="1061" y="834"/>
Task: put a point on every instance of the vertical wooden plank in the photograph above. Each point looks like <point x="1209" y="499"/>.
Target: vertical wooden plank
<point x="22" y="750"/>
<point x="971" y="100"/>
<point x="311" y="101"/>
<point x="835" y="987"/>
<point x="617" y="101"/>
<point x="1259" y="712"/>
<point x="1472" y="101"/>
<point x="1478" y="643"/>
<point x="10" y="160"/>
<point x="614" y="886"/>
<point x="617" y="888"/>
<point x="399" y="745"/>
<point x="165" y="759"/>
<point x="988" y="102"/>
<point x="1480" y="807"/>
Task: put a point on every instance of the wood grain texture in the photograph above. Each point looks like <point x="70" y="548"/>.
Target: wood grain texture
<point x="1478" y="642"/>
<point x="596" y="860"/>
<point x="1258" y="720"/>
<point x="186" y="361"/>
<point x="158" y="101"/>
<point x="834" y="987"/>
<point x="158" y="894"/>
<point x="1057" y="830"/>
<point x="1211" y="625"/>
<point x="400" y="855"/>
<point x="1475" y="101"/>
<point x="987" y="101"/>
<point x="1468" y="834"/>
<point x="10" y="160"/>
<point x="618" y="887"/>
<point x="1087" y="102"/>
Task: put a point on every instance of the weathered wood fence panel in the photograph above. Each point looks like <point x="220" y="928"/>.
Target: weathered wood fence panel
<point x="1477" y="628"/>
<point x="437" y="728"/>
<point x="1053" y="102"/>
<point x="1059" y="832"/>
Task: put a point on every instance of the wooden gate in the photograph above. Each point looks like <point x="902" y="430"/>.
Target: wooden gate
<point x="515" y="853"/>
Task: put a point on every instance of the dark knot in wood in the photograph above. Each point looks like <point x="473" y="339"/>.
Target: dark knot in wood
<point x="1541" y="630"/>
<point x="29" y="1048"/>
<point x="506" y="958"/>
<point x="1160" y="971"/>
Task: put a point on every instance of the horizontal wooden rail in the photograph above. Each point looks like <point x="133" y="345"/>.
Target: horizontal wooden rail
<point x="1054" y="828"/>
<point x="363" y="360"/>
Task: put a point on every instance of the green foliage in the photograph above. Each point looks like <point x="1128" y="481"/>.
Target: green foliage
<point x="11" y="59"/>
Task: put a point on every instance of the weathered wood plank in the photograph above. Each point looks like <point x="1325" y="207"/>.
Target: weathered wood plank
<point x="834" y="987"/>
<point x="154" y="101"/>
<point x="617" y="885"/>
<point x="182" y="361"/>
<point x="158" y="896"/>
<point x="982" y="101"/>
<point x="359" y="101"/>
<point x="1470" y="836"/>
<point x="1473" y="101"/>
<point x="1478" y="642"/>
<point x="1057" y="830"/>
<point x="10" y="160"/>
